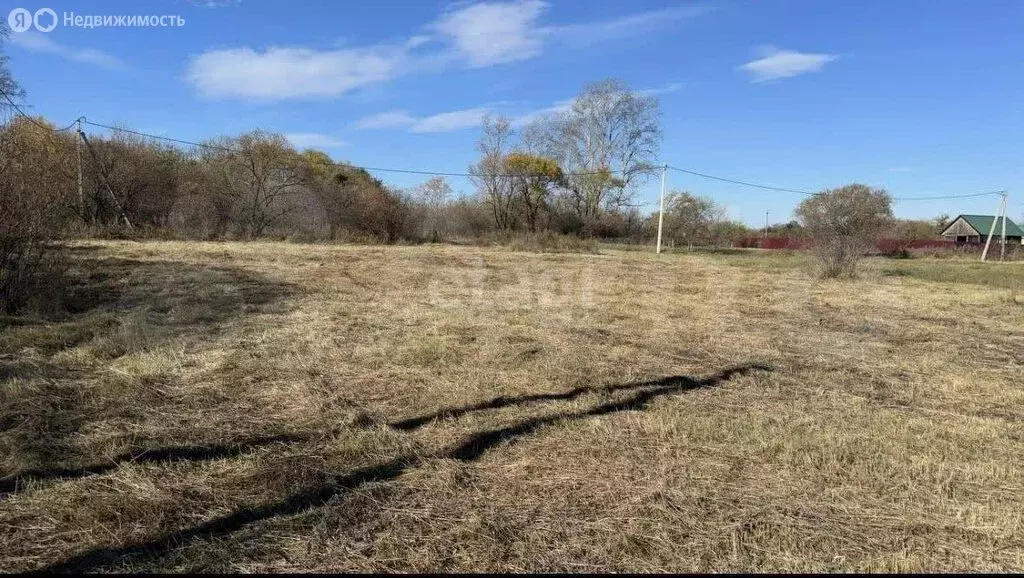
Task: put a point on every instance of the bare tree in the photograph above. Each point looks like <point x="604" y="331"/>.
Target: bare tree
<point x="489" y="174"/>
<point x="211" y="187"/>
<point x="8" y="85"/>
<point x="331" y="186"/>
<point x="354" y="200"/>
<point x="381" y="212"/>
<point x="435" y="192"/>
<point x="606" y="143"/>
<point x="260" y="172"/>
<point x="688" y="218"/>
<point x="433" y="196"/>
<point x="142" y="174"/>
<point x="532" y="181"/>
<point x="33" y="196"/>
<point x="272" y="176"/>
<point x="844" y="223"/>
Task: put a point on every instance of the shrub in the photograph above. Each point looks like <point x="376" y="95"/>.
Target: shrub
<point x="32" y="276"/>
<point x="467" y="218"/>
<point x="843" y="224"/>
<point x="31" y="211"/>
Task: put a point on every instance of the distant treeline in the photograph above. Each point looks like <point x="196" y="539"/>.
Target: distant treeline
<point x="572" y="175"/>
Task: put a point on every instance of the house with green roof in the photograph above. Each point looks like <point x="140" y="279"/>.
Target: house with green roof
<point x="975" y="228"/>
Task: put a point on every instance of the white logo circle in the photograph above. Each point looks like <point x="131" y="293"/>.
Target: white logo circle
<point x="53" y="22"/>
<point x="20" y="19"/>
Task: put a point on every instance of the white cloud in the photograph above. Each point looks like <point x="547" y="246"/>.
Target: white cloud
<point x="557" y="108"/>
<point x="441" y="122"/>
<point x="451" y="121"/>
<point x="493" y="33"/>
<point x="776" y="63"/>
<point x="42" y="43"/>
<point x="385" y="120"/>
<point x="667" y="89"/>
<point x="476" y="35"/>
<point x="314" y="140"/>
<point x="624" y="26"/>
<point x="472" y="117"/>
<point x="417" y="41"/>
<point x="282" y="73"/>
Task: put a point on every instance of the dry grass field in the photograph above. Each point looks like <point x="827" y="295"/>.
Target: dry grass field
<point x="285" y="407"/>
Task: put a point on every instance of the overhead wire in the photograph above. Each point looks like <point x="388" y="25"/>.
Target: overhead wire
<point x="811" y="194"/>
<point x="342" y="165"/>
<point x="938" y="198"/>
<point x="454" y="174"/>
<point x="212" y="146"/>
<point x="736" y="182"/>
<point x="28" y="117"/>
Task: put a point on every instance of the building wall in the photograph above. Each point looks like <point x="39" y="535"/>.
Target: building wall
<point x="996" y="239"/>
<point x="960" y="228"/>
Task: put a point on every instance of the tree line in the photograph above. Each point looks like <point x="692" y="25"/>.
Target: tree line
<point x="574" y="172"/>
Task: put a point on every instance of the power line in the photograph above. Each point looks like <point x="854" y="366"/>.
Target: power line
<point x="342" y="165"/>
<point x="448" y="174"/>
<point x="810" y="194"/>
<point x="948" y="196"/>
<point x="735" y="182"/>
<point x="455" y="174"/>
<point x="231" y="150"/>
<point x="153" y="136"/>
<point x="27" y="116"/>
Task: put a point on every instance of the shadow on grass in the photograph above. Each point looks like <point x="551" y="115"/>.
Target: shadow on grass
<point x="115" y="307"/>
<point x="468" y="450"/>
<point x="165" y="454"/>
<point x="677" y="382"/>
<point x="181" y="296"/>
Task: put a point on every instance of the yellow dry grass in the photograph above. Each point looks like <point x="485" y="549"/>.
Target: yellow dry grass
<point x="285" y="407"/>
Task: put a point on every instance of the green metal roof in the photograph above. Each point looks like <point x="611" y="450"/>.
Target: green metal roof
<point x="983" y="223"/>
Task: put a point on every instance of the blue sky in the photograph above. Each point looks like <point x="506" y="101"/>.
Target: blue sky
<point x="920" y="97"/>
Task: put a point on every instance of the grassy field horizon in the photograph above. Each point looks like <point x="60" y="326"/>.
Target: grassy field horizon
<point x="258" y="407"/>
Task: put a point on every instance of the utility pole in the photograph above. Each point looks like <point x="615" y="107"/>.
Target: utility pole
<point x="992" y="229"/>
<point x="765" y="235"/>
<point x="106" y="183"/>
<point x="1002" y="248"/>
<point x="661" y="207"/>
<point x="78" y="148"/>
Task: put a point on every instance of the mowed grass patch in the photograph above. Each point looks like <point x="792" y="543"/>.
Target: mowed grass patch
<point x="1005" y="275"/>
<point x="284" y="407"/>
